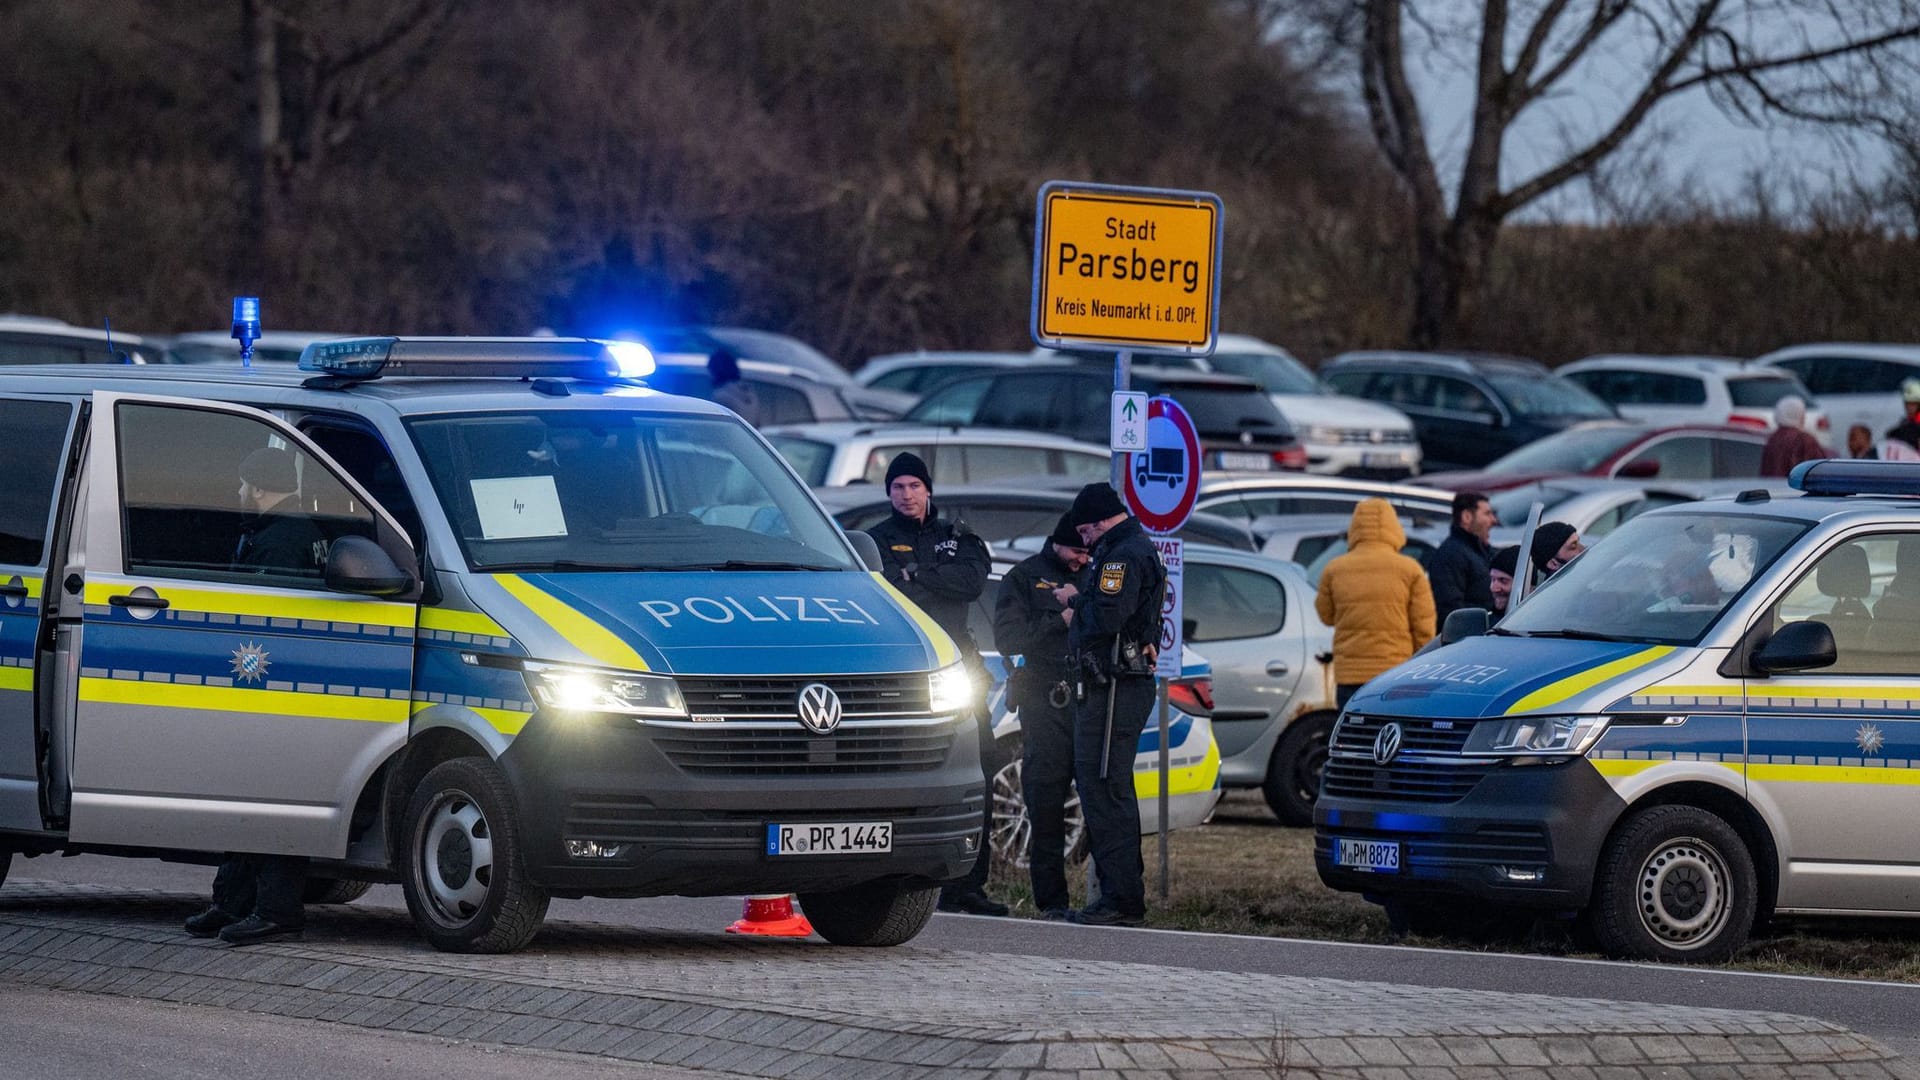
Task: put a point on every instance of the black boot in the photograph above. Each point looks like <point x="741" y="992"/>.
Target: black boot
<point x="253" y="930"/>
<point x="209" y="922"/>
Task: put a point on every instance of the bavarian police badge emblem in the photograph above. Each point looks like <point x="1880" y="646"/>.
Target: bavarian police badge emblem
<point x="250" y="663"/>
<point x="1113" y="576"/>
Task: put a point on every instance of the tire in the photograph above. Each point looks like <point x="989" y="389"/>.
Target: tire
<point x="1012" y="828"/>
<point x="878" y="913"/>
<point x="1293" y="773"/>
<point x="1675" y="883"/>
<point x="462" y="867"/>
<point x="334" y="890"/>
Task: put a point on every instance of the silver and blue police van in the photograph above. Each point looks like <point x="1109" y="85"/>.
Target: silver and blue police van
<point x="522" y="628"/>
<point x="1710" y="717"/>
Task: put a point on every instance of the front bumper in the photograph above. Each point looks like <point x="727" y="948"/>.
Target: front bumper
<point x="692" y="822"/>
<point x="1517" y="820"/>
<point x="1385" y="461"/>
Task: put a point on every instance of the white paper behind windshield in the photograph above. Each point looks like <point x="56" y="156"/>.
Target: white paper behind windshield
<point x="518" y="507"/>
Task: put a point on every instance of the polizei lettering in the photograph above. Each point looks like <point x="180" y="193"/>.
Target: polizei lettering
<point x="1470" y="674"/>
<point x="760" y="609"/>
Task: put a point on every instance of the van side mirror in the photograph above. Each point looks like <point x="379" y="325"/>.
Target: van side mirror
<point x="864" y="547"/>
<point x="356" y="564"/>
<point x="1797" y="646"/>
<point x="1465" y="623"/>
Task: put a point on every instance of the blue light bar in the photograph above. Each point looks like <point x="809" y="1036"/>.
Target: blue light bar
<point x="246" y="326"/>
<point x="475" y="357"/>
<point x="1847" y="476"/>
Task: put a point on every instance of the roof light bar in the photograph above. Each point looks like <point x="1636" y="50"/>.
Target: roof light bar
<point x="475" y="357"/>
<point x="1847" y="476"/>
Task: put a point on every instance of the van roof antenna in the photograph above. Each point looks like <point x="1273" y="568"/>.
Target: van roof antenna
<point x="118" y="356"/>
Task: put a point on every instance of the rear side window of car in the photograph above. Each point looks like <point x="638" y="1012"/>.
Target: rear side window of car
<point x="957" y="402"/>
<point x="987" y="463"/>
<point x="782" y="404"/>
<point x="22" y="351"/>
<point x="906" y="380"/>
<point x="1460" y="396"/>
<point x="1683" y="458"/>
<point x="1017" y="401"/>
<point x="1226" y="603"/>
<point x="1352" y="383"/>
<point x="1761" y="391"/>
<point x="808" y="458"/>
<point x="30" y="460"/>
<point x="1662" y="388"/>
<point x="1737" y="457"/>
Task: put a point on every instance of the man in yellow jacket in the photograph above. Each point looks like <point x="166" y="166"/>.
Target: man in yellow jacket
<point x="1376" y="599"/>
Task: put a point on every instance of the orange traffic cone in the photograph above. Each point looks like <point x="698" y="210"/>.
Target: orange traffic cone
<point x="771" y="916"/>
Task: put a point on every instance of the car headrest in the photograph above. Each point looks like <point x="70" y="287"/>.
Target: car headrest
<point x="1844" y="574"/>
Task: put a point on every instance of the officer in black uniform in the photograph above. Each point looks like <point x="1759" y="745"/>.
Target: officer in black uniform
<point x="942" y="567"/>
<point x="276" y="536"/>
<point x="1030" y="622"/>
<point x="1114" y="632"/>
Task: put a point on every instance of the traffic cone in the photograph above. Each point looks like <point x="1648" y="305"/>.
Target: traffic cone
<point x="771" y="916"/>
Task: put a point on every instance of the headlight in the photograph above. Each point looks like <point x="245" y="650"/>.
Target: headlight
<point x="1536" y="735"/>
<point x="1321" y="433"/>
<point x="950" y="690"/>
<point x="572" y="689"/>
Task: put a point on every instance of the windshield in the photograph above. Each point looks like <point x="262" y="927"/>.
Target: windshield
<point x="1275" y="374"/>
<point x="1576" y="450"/>
<point x="1662" y="578"/>
<point x="1535" y="397"/>
<point x="580" y="489"/>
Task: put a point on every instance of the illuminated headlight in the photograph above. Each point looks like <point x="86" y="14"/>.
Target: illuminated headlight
<point x="950" y="690"/>
<point x="1536" y="735"/>
<point x="571" y="689"/>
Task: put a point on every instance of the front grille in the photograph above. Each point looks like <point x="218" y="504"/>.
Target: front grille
<point x="722" y="749"/>
<point x="622" y="816"/>
<point x="777" y="698"/>
<point x="1428" y="768"/>
<point x="1371" y="437"/>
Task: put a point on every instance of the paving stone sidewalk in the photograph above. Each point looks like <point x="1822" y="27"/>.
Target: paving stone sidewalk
<point x="782" y="1008"/>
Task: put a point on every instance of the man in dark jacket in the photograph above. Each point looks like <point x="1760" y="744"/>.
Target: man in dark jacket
<point x="942" y="567"/>
<point x="1031" y="623"/>
<point x="1458" y="568"/>
<point x="1114" y="631"/>
<point x="276" y="537"/>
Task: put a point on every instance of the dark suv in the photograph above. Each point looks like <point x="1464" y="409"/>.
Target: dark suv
<point x="1467" y="409"/>
<point x="1239" y="428"/>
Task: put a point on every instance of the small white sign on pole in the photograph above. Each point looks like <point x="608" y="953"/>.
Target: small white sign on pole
<point x="1173" y="557"/>
<point x="1128" y="429"/>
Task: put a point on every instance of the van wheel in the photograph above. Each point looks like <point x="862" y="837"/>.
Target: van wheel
<point x="464" y="875"/>
<point x="1012" y="827"/>
<point x="334" y="890"/>
<point x="1293" y="773"/>
<point x="876" y="913"/>
<point x="1675" y="883"/>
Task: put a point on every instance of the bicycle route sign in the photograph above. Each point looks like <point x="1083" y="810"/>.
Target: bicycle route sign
<point x="1162" y="480"/>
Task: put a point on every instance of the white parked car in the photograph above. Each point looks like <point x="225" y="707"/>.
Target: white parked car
<point x="31" y="339"/>
<point x="831" y="454"/>
<point x="916" y="373"/>
<point x="219" y="346"/>
<point x="1343" y="435"/>
<point x="1853" y="383"/>
<point x="1671" y="390"/>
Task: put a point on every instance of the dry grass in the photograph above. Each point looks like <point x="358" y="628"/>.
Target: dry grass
<point x="1244" y="874"/>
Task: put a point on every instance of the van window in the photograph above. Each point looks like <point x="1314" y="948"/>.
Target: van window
<point x="30" y="460"/>
<point x="606" y="489"/>
<point x="1867" y="591"/>
<point x="366" y="458"/>
<point x="212" y="494"/>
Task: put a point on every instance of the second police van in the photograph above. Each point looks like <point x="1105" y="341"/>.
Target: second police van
<point x="1711" y="716"/>
<point x="526" y="629"/>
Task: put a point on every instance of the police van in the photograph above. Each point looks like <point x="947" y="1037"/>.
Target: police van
<point x="1711" y="716"/>
<point x="513" y="626"/>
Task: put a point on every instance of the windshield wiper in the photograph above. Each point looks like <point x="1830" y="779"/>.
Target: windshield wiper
<point x="564" y="565"/>
<point x="1572" y="635"/>
<point x="750" y="564"/>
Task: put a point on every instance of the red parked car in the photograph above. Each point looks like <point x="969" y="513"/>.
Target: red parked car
<point x="1621" y="449"/>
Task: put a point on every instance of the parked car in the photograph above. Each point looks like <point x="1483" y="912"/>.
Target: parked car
<point x="1314" y="540"/>
<point x="1239" y="427"/>
<point x="785" y="395"/>
<point x="1001" y="514"/>
<point x="1621" y="449"/>
<point x="828" y="455"/>
<point x="219" y="346"/>
<point x="1467" y="409"/>
<point x="30" y="339"/>
<point x="790" y="354"/>
<point x="1596" y="505"/>
<point x="916" y="373"/>
<point x="1344" y="436"/>
<point x="1253" y="498"/>
<point x="1852" y="383"/>
<point x="1693" y="390"/>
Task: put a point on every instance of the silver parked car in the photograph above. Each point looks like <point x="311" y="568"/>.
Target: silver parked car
<point x="832" y="454"/>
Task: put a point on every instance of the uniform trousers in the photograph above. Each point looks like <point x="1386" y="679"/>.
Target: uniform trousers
<point x="1111" y="808"/>
<point x="1046" y="780"/>
<point x="270" y="886"/>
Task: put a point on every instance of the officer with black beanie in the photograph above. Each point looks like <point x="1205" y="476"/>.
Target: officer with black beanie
<point x="1030" y="623"/>
<point x="942" y="567"/>
<point x="1114" y="633"/>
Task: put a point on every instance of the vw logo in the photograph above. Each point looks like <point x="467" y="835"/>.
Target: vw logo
<point x="819" y="708"/>
<point x="1386" y="744"/>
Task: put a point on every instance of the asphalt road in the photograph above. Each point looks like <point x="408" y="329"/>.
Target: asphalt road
<point x="1886" y="1012"/>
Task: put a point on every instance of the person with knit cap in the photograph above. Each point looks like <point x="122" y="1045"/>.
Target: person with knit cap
<point x="1500" y="570"/>
<point x="1030" y="623"/>
<point x="1555" y="543"/>
<point x="1790" y="444"/>
<point x="942" y="566"/>
<point x="1113" y="628"/>
<point x="275" y="536"/>
<point x="1376" y="599"/>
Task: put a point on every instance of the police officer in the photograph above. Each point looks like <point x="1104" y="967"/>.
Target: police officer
<point x="1030" y="622"/>
<point x="1114" y="632"/>
<point x="942" y="567"/>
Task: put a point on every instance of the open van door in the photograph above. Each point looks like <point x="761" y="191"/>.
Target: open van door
<point x="246" y="646"/>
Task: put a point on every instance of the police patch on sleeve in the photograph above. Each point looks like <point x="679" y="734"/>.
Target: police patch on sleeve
<point x="1113" y="576"/>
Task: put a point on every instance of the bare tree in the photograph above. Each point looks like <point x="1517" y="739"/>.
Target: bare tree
<point x="1823" y="61"/>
